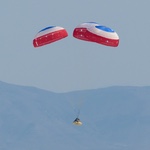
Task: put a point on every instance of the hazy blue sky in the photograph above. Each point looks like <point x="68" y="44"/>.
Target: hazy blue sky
<point x="71" y="64"/>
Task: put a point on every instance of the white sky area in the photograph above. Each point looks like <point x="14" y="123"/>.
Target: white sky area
<point x="71" y="64"/>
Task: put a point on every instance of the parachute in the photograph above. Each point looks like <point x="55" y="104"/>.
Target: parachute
<point x="93" y="32"/>
<point x="48" y="35"/>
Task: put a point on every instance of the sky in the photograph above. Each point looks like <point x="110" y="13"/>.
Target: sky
<point x="71" y="64"/>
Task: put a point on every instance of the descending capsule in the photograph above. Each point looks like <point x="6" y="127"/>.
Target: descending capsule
<point x="77" y="122"/>
<point x="48" y="35"/>
<point x="93" y="32"/>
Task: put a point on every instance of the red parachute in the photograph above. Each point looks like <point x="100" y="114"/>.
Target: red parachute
<point x="94" y="32"/>
<point x="48" y="35"/>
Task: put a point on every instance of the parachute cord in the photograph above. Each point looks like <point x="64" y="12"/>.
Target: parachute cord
<point x="76" y="105"/>
<point x="78" y="113"/>
<point x="77" y="110"/>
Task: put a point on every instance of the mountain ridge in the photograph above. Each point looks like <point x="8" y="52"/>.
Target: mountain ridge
<point x="116" y="117"/>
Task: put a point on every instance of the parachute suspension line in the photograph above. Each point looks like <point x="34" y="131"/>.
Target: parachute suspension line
<point x="79" y="107"/>
<point x="77" y="112"/>
<point x="76" y="103"/>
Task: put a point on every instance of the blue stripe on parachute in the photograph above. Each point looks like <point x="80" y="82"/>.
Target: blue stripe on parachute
<point x="47" y="28"/>
<point x="104" y="28"/>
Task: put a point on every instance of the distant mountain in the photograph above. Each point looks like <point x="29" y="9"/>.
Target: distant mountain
<point x="114" y="118"/>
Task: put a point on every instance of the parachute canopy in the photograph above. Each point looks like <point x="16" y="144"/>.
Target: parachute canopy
<point x="48" y="35"/>
<point x="93" y="32"/>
